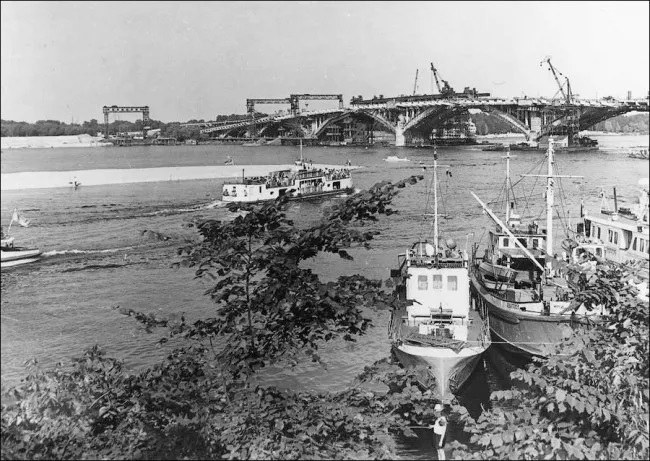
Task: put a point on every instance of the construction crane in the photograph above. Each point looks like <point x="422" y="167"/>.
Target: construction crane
<point x="445" y="89"/>
<point x="565" y="94"/>
<point x="415" y="85"/>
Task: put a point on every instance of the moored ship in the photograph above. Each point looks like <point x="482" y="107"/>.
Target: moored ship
<point x="527" y="301"/>
<point x="437" y="330"/>
<point x="621" y="235"/>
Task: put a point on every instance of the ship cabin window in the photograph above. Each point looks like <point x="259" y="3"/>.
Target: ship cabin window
<point x="260" y="189"/>
<point x="422" y="282"/>
<point x="642" y="247"/>
<point x="634" y="243"/>
<point x="599" y="252"/>
<point x="535" y="243"/>
<point x="437" y="282"/>
<point x="506" y="242"/>
<point x="598" y="236"/>
<point x="452" y="283"/>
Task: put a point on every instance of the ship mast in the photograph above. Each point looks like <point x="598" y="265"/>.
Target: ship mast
<point x="549" y="202"/>
<point x="508" y="187"/>
<point x="550" y="182"/>
<point x="435" y="200"/>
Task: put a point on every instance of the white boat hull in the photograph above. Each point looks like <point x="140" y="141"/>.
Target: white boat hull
<point x="9" y="258"/>
<point x="254" y="194"/>
<point x="450" y="369"/>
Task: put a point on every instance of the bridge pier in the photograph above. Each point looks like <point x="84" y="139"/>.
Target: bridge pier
<point x="400" y="138"/>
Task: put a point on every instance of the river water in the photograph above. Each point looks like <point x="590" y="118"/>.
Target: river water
<point x="97" y="255"/>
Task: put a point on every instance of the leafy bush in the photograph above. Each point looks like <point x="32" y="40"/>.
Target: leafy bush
<point x="592" y="404"/>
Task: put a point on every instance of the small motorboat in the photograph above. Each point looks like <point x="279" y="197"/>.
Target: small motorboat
<point x="13" y="256"/>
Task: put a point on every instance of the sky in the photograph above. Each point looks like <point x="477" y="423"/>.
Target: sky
<point x="196" y="60"/>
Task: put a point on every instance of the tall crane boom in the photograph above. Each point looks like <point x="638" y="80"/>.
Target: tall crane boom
<point x="565" y="94"/>
<point x="445" y="89"/>
<point x="435" y="75"/>
<point x="415" y="85"/>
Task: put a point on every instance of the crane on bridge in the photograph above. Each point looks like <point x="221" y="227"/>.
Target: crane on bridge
<point x="415" y="85"/>
<point x="445" y="89"/>
<point x="566" y="95"/>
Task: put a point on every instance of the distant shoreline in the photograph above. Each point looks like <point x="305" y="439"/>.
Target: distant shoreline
<point x="50" y="142"/>
<point x="85" y="140"/>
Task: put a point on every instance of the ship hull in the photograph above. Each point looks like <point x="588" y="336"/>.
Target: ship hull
<point x="305" y="196"/>
<point x="450" y="369"/>
<point x="526" y="333"/>
<point x="15" y="257"/>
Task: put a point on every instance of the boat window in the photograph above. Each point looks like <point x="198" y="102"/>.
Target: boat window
<point x="642" y="245"/>
<point x="610" y="236"/>
<point x="615" y="237"/>
<point x="437" y="282"/>
<point x="452" y="283"/>
<point x="634" y="244"/>
<point x="535" y="243"/>
<point x="599" y="252"/>
<point x="506" y="242"/>
<point x="598" y="236"/>
<point x="422" y="282"/>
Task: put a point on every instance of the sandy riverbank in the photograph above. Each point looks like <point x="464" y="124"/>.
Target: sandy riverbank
<point x="47" y="179"/>
<point x="46" y="142"/>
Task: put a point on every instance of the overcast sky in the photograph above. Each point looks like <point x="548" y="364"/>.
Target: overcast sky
<point x="195" y="60"/>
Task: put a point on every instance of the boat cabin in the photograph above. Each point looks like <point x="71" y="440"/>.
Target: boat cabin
<point x="437" y="283"/>
<point x="503" y="251"/>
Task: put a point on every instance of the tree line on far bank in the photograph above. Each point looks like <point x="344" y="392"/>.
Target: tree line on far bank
<point x="485" y="124"/>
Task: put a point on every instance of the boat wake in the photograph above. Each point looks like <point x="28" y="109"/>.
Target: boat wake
<point x="75" y="251"/>
<point x="393" y="158"/>
<point x="169" y="211"/>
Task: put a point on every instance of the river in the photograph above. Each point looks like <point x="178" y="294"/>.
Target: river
<point x="97" y="255"/>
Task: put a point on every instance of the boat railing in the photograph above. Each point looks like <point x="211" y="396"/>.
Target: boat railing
<point x="249" y="181"/>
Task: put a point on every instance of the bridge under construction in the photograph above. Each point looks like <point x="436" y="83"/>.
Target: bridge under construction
<point x="422" y="119"/>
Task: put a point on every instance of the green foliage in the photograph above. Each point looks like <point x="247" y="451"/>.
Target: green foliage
<point x="591" y="404"/>
<point x="634" y="123"/>
<point x="186" y="408"/>
<point x="269" y="307"/>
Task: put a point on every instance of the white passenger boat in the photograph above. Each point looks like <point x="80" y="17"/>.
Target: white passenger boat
<point x="438" y="330"/>
<point x="621" y="235"/>
<point x="299" y="182"/>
